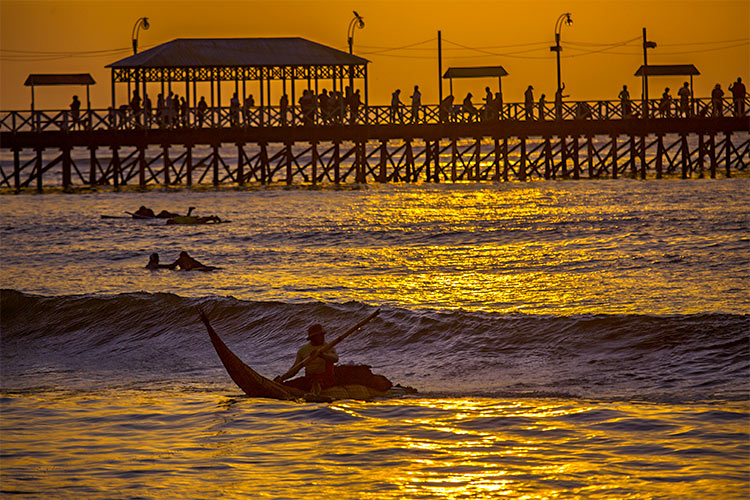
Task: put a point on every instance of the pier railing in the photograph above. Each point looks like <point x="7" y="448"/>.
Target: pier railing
<point x="124" y="118"/>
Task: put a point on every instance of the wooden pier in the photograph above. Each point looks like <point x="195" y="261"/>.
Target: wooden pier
<point x="273" y="146"/>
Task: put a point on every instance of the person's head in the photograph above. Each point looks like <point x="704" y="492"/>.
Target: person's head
<point x="739" y="79"/>
<point x="486" y="89"/>
<point x="416" y="87"/>
<point x="75" y="97"/>
<point x="153" y="258"/>
<point x="530" y="88"/>
<point x="666" y="90"/>
<point x="183" y="254"/>
<point x="624" y="87"/>
<point x="316" y="334"/>
<point x="686" y="84"/>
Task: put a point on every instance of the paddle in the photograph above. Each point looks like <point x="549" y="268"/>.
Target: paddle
<point x="328" y="346"/>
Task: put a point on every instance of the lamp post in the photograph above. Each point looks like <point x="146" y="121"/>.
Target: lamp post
<point x="143" y="21"/>
<point x="356" y="22"/>
<point x="563" y="19"/>
<point x="646" y="45"/>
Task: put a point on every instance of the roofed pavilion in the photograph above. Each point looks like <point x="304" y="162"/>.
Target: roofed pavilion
<point x="239" y="60"/>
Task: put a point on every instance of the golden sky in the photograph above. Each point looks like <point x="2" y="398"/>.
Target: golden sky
<point x="64" y="37"/>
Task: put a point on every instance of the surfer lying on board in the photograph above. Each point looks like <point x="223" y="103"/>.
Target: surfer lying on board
<point x="193" y="219"/>
<point x="319" y="369"/>
<point x="147" y="213"/>
<point x="184" y="262"/>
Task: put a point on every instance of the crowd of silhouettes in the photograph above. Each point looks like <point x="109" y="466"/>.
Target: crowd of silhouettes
<point x="344" y="108"/>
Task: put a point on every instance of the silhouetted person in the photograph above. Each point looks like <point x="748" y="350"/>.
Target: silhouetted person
<point x="234" y="110"/>
<point x="684" y="94"/>
<point x="468" y="108"/>
<point x="559" y="102"/>
<point x="624" y="97"/>
<point x="161" y="112"/>
<point x="738" y="96"/>
<point x="416" y="103"/>
<point x="187" y="263"/>
<point x="541" y="106"/>
<point x="528" y="101"/>
<point x="396" y="107"/>
<point x="153" y="263"/>
<point x="354" y="106"/>
<point x="135" y="107"/>
<point x="148" y="112"/>
<point x="307" y="107"/>
<point x="489" y="104"/>
<point x="319" y="368"/>
<point x="323" y="105"/>
<point x="75" y="112"/>
<point x="283" y="109"/>
<point x="143" y="212"/>
<point x="717" y="101"/>
<point x="202" y="108"/>
<point x="665" y="104"/>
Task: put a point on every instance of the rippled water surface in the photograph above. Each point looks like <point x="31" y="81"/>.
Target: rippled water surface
<point x="568" y="339"/>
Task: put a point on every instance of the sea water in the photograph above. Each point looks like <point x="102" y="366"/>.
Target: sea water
<point x="568" y="340"/>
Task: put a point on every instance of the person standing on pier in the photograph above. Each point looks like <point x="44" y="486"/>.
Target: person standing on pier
<point x="416" y="103"/>
<point x="665" y="105"/>
<point x="160" y="110"/>
<point x="489" y="104"/>
<point x="135" y="107"/>
<point x="283" y="109"/>
<point x="247" y="107"/>
<point x="528" y="100"/>
<point x="541" y="106"/>
<point x="559" y="102"/>
<point x="684" y="94"/>
<point x="717" y="102"/>
<point x="75" y="112"/>
<point x="147" y="111"/>
<point x="738" y="96"/>
<point x="234" y="110"/>
<point x="202" y="108"/>
<point x="396" y="107"/>
<point x="499" y="105"/>
<point x="624" y="97"/>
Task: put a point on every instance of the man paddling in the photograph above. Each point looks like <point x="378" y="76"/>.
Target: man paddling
<point x="319" y="371"/>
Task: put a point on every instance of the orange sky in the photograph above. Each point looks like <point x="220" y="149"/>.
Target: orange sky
<point x="713" y="35"/>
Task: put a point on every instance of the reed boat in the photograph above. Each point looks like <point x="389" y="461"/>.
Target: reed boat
<point x="257" y="386"/>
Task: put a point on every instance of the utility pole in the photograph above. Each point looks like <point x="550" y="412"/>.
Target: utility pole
<point x="646" y="45"/>
<point x="440" y="67"/>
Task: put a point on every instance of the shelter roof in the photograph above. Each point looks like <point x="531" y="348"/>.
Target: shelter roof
<point x="59" y="79"/>
<point x="475" y="72"/>
<point x="238" y="52"/>
<point x="668" y="70"/>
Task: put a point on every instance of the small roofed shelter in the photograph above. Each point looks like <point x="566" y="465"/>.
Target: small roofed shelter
<point x="668" y="70"/>
<point x="215" y="60"/>
<point x="42" y="80"/>
<point x="477" y="72"/>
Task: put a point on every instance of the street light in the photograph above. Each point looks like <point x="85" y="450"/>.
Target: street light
<point x="143" y="21"/>
<point x="563" y="19"/>
<point x="356" y="22"/>
<point x="646" y="45"/>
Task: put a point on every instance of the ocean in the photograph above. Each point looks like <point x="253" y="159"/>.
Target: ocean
<point x="568" y="339"/>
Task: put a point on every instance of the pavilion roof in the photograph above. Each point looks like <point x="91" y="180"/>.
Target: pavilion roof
<point x="238" y="52"/>
<point x="59" y="79"/>
<point x="668" y="70"/>
<point x="475" y="72"/>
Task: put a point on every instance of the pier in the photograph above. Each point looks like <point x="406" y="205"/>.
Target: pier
<point x="374" y="146"/>
<point x="348" y="140"/>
